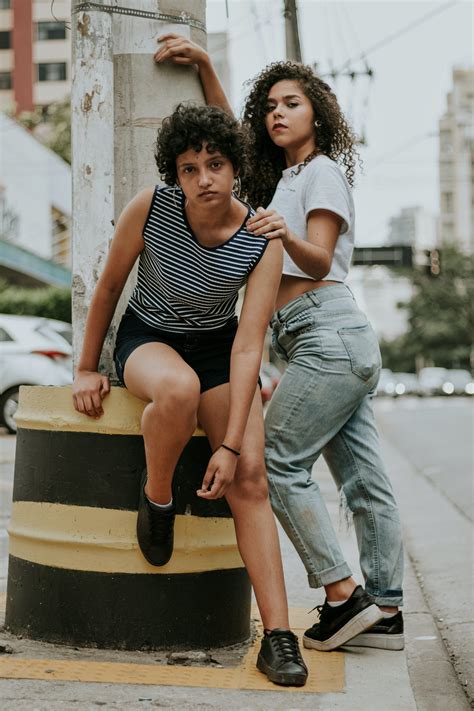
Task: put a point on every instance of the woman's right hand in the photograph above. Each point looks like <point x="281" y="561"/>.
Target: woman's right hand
<point x="88" y="391"/>
<point x="180" y="50"/>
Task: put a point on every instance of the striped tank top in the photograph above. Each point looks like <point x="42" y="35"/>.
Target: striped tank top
<point x="182" y="285"/>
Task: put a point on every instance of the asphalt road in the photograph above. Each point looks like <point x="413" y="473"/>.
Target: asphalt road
<point x="436" y="436"/>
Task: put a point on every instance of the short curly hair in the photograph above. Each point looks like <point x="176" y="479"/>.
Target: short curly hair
<point x="190" y="126"/>
<point x="266" y="160"/>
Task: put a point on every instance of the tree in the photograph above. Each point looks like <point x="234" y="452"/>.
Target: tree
<point x="52" y="126"/>
<point x="440" y="317"/>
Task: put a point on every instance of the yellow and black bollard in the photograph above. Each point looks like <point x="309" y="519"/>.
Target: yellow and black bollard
<point x="76" y="575"/>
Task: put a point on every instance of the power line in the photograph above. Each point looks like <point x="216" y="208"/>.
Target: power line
<point x="399" y="33"/>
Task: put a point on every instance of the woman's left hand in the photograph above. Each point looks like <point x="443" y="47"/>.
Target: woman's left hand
<point x="268" y="223"/>
<point x="219" y="474"/>
<point x="180" y="50"/>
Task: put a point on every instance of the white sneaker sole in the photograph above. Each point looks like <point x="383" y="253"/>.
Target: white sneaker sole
<point x="395" y="642"/>
<point x="361" y="622"/>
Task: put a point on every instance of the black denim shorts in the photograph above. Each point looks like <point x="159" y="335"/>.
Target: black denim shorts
<point x="206" y="352"/>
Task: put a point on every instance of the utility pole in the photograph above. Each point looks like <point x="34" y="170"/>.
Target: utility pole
<point x="119" y="98"/>
<point x="293" y="48"/>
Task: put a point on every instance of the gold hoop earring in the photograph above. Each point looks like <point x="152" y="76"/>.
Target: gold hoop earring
<point x="237" y="186"/>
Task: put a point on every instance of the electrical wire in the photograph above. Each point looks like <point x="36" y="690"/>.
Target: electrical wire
<point x="403" y="30"/>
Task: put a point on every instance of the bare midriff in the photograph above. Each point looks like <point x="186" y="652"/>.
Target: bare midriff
<point x="291" y="287"/>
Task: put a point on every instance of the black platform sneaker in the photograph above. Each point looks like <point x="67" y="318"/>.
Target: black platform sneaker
<point x="280" y="658"/>
<point x="155" y="529"/>
<point x="386" y="634"/>
<point x="337" y="625"/>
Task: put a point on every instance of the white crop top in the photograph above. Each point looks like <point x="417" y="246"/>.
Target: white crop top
<point x="320" y="185"/>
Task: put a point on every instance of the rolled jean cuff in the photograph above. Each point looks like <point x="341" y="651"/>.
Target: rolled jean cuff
<point x="330" y="575"/>
<point x="392" y="598"/>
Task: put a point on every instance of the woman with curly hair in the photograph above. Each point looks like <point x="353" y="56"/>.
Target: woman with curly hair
<point x="298" y="138"/>
<point x="180" y="349"/>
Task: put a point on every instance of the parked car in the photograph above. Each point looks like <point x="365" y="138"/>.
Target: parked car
<point x="406" y="384"/>
<point x="387" y="383"/>
<point x="431" y="380"/>
<point x="33" y="351"/>
<point x="458" y="382"/>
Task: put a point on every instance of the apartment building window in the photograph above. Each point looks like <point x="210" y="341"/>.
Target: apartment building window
<point x="446" y="140"/>
<point x="51" y="31"/>
<point x="52" y="71"/>
<point x="5" y="81"/>
<point x="447" y="201"/>
<point x="5" y="4"/>
<point x="5" y="41"/>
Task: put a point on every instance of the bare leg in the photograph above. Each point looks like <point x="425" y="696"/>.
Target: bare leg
<point x="155" y="373"/>
<point x="255" y="527"/>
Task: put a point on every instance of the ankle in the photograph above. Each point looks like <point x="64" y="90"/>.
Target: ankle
<point x="162" y="497"/>
<point x="340" y="590"/>
<point x="390" y="610"/>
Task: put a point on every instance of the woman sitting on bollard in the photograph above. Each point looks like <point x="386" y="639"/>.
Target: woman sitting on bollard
<point x="181" y="349"/>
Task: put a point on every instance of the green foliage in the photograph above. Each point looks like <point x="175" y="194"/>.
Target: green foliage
<point x="440" y="317"/>
<point x="50" y="302"/>
<point x="52" y="126"/>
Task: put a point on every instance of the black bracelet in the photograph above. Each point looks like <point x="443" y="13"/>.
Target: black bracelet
<point x="234" y="451"/>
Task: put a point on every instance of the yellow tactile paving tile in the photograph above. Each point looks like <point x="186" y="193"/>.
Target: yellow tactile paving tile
<point x="326" y="671"/>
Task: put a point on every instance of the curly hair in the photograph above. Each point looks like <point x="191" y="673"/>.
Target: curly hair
<point x="190" y="126"/>
<point x="334" y="137"/>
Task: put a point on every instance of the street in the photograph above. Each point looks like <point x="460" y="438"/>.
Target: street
<point x="427" y="446"/>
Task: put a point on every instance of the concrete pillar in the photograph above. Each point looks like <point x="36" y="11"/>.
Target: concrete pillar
<point x="119" y="99"/>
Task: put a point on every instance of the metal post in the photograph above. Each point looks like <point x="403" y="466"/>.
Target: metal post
<point x="293" y="48"/>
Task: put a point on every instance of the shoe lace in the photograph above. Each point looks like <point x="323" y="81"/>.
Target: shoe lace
<point x="161" y="526"/>
<point x="321" y="610"/>
<point x="285" y="645"/>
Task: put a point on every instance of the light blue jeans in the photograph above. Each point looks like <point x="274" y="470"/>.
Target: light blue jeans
<point x="323" y="404"/>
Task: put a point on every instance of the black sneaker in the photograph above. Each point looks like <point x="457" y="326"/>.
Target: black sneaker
<point x="386" y="634"/>
<point x="337" y="625"/>
<point x="280" y="658"/>
<point x="155" y="529"/>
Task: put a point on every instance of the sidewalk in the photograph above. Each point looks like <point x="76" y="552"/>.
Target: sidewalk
<point x="419" y="678"/>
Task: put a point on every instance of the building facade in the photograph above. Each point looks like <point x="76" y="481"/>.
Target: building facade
<point x="35" y="53"/>
<point x="414" y="227"/>
<point x="456" y="163"/>
<point x="35" y="195"/>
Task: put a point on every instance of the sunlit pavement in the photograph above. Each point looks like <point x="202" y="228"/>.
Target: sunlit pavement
<point x="426" y="447"/>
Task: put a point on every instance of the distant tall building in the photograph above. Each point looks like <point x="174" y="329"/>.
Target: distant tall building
<point x="456" y="163"/>
<point x="415" y="227"/>
<point x="35" y="53"/>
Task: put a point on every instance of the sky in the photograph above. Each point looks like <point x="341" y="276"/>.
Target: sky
<point x="397" y="111"/>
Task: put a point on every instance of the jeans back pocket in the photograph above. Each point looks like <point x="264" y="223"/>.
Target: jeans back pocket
<point x="363" y="350"/>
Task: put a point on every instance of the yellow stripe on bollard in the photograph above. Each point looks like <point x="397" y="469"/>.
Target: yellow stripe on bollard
<point x="104" y="540"/>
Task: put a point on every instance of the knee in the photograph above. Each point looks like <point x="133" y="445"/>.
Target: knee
<point x="175" y="395"/>
<point x="251" y="483"/>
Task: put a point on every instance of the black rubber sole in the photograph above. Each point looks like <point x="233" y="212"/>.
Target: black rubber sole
<point x="280" y="677"/>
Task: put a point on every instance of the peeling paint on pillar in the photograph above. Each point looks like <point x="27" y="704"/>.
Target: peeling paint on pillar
<point x="93" y="169"/>
<point x="114" y="131"/>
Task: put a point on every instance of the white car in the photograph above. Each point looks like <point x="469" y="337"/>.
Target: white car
<point x="431" y="380"/>
<point x="33" y="351"/>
